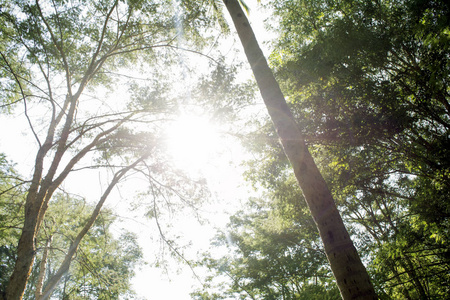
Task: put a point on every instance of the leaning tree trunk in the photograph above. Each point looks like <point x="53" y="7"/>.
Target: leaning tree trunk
<point x="351" y="275"/>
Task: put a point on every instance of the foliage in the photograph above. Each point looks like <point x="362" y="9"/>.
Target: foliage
<point x="11" y="209"/>
<point x="368" y="83"/>
<point x="222" y="95"/>
<point x="105" y="262"/>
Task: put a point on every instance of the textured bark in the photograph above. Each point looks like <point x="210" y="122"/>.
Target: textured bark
<point x="26" y="248"/>
<point x="351" y="275"/>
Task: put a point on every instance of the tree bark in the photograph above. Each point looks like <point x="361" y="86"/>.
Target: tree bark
<point x="26" y="249"/>
<point x="351" y="275"/>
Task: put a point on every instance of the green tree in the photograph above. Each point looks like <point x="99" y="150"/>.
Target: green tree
<point x="62" y="61"/>
<point x="368" y="81"/>
<point x="351" y="276"/>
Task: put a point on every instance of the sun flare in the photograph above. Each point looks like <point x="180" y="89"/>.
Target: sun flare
<point x="192" y="141"/>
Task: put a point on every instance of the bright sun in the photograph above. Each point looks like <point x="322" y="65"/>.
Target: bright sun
<point x="193" y="142"/>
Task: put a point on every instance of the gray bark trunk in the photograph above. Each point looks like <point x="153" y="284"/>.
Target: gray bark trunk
<point x="351" y="275"/>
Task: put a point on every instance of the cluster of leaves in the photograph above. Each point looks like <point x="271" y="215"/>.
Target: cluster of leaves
<point x="105" y="261"/>
<point x="273" y="252"/>
<point x="222" y="95"/>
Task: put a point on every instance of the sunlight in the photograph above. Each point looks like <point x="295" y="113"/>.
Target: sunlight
<point x="193" y="141"/>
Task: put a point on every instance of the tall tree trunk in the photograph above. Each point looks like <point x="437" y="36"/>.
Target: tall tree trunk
<point x="351" y="275"/>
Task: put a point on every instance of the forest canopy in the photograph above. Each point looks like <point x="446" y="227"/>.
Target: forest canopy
<point x="97" y="86"/>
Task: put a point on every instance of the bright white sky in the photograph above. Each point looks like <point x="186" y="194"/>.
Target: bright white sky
<point x="215" y="156"/>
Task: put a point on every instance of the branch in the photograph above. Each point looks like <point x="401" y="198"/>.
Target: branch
<point x="16" y="78"/>
<point x="100" y="43"/>
<point x="64" y="267"/>
<point x="167" y="242"/>
<point x="59" y="47"/>
<point x="55" y="183"/>
<point x="13" y="187"/>
<point x="94" y="126"/>
<point x="42" y="269"/>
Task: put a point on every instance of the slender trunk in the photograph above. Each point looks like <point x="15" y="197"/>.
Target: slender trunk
<point x="42" y="270"/>
<point x="351" y="275"/>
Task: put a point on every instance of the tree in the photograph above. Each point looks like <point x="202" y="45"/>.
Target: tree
<point x="368" y="88"/>
<point x="351" y="276"/>
<point x="53" y="57"/>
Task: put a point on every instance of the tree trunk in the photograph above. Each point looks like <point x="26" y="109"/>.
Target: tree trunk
<point x="26" y="250"/>
<point x="351" y="275"/>
<point x="42" y="269"/>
